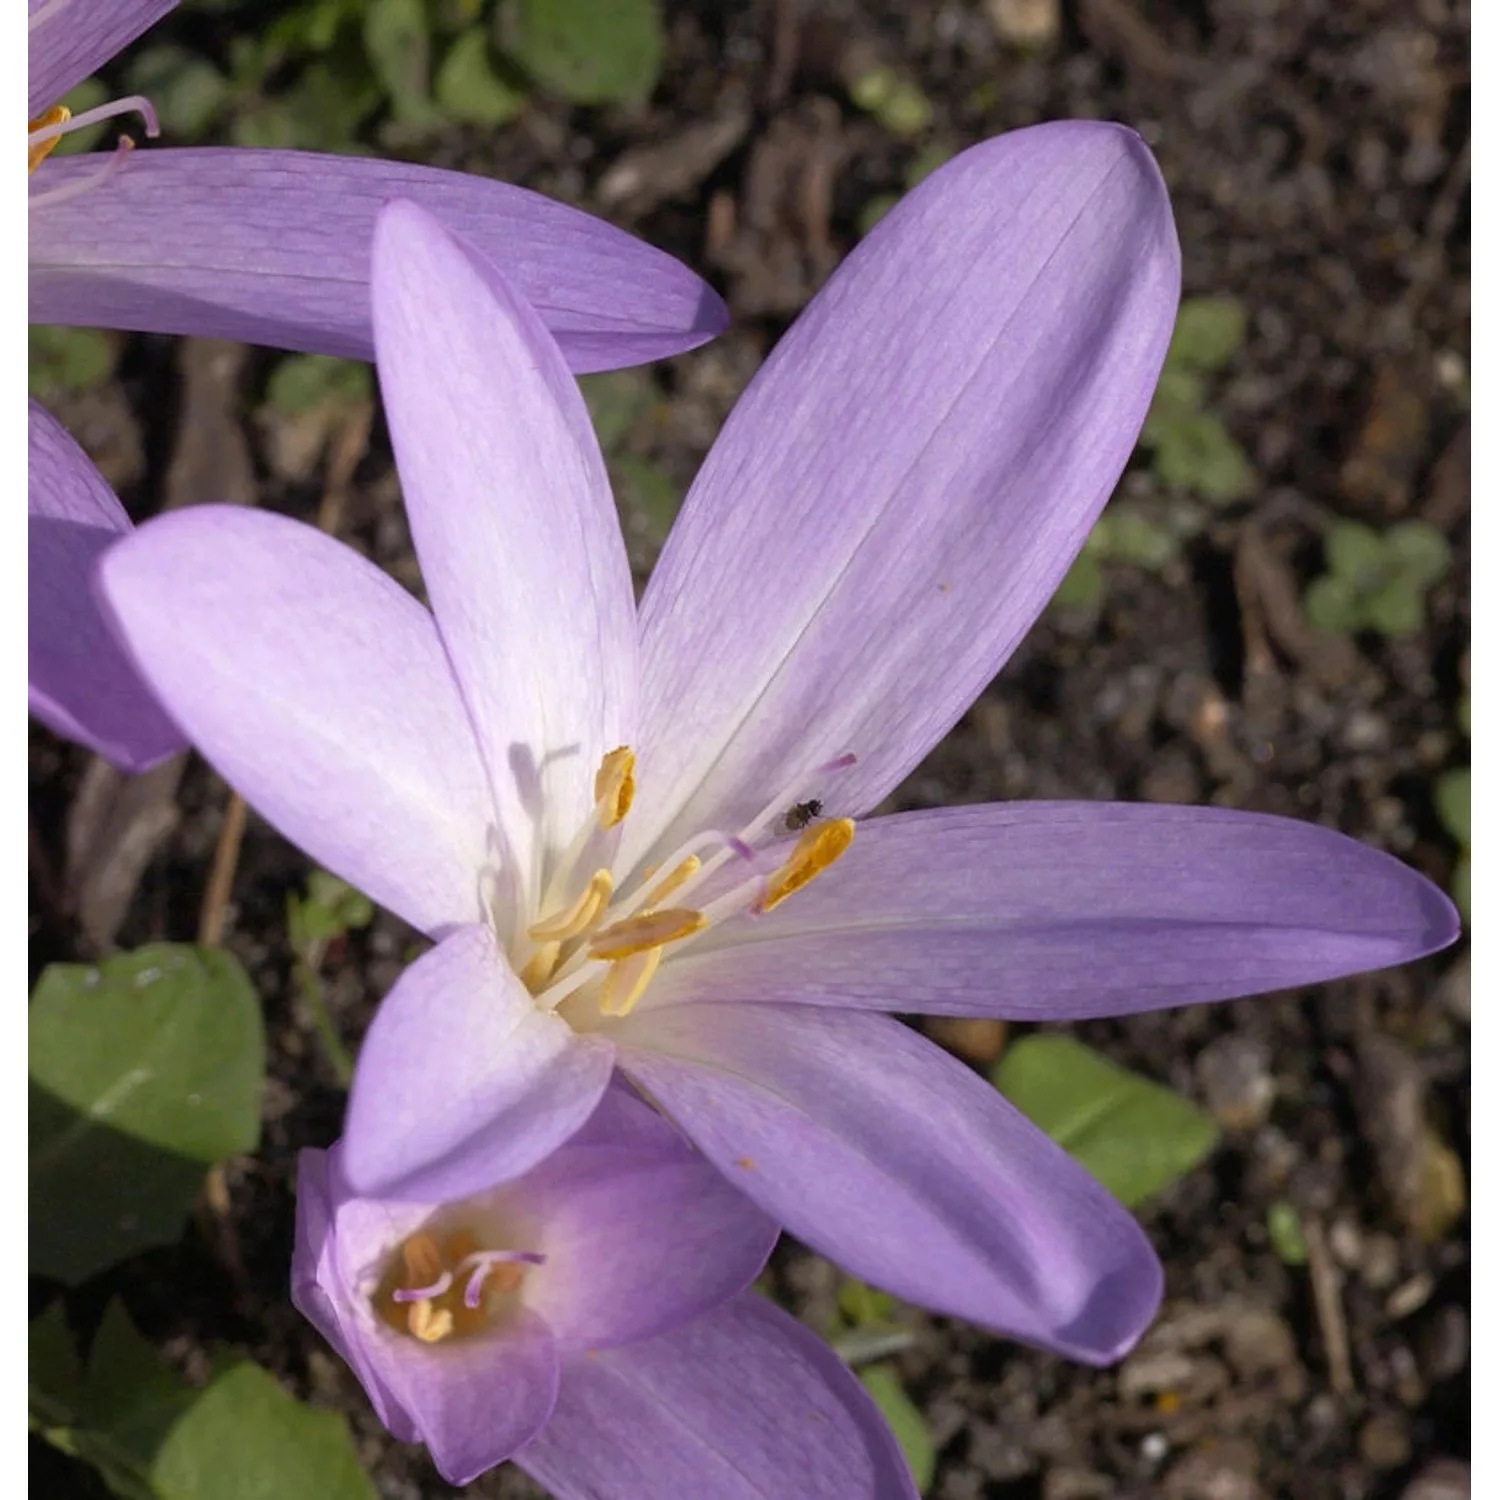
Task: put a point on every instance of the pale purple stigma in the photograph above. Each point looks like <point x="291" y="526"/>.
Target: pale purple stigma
<point x="423" y="1293"/>
<point x="484" y="1261"/>
<point x="135" y="104"/>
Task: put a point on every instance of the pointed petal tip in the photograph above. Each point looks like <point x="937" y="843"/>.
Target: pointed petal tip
<point x="276" y="251"/>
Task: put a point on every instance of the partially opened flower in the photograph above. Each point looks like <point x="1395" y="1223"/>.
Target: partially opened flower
<point x="596" y="813"/>
<point x="544" y="1321"/>
<point x="272" y="247"/>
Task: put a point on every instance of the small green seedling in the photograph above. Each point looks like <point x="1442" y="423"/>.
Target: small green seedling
<point x="1190" y="447"/>
<point x="1450" y="796"/>
<point x="330" y="910"/>
<point x="1377" y="580"/>
<point x="897" y="103"/>
<point x="1123" y="534"/>
<point x="64" y="361"/>
<point x="1284" y="1230"/>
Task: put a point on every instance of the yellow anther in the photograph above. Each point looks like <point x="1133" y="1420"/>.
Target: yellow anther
<point x="540" y="967"/>
<point x="563" y="926"/>
<point x="818" y="848"/>
<point x="430" y="1324"/>
<point x="626" y="982"/>
<point x="675" y="881"/>
<point x="614" y="786"/>
<point x="649" y="930"/>
<point x="59" y="114"/>
<point x="422" y="1260"/>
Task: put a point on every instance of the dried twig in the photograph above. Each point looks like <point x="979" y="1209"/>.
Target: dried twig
<point x="221" y="876"/>
<point x="1329" y="1304"/>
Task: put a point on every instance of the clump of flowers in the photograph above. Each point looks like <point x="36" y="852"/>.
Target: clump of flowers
<point x="641" y="838"/>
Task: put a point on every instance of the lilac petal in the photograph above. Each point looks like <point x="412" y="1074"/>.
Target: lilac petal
<point x="462" y="1082"/>
<point x="70" y="39"/>
<point x="320" y="1287"/>
<point x="741" y="1404"/>
<point x="513" y="521"/>
<point x="473" y="1401"/>
<point x="81" y="684"/>
<point x="1068" y="910"/>
<point x="638" y="1240"/>
<point x="883" y="1153"/>
<point x="273" y="247"/>
<point x="319" y="689"/>
<point x="902" y="487"/>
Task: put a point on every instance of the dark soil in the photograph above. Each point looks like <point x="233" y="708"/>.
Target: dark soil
<point x="1317" y="154"/>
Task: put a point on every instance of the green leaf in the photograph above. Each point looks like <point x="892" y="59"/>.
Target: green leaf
<point x="1330" y="604"/>
<point x="617" y="400"/>
<point x="154" y="1437"/>
<point x="89" y="94"/>
<point x="1395" y="610"/>
<point x="1179" y="394"/>
<point x="245" y="1438"/>
<point x="303" y="382"/>
<point x="1082" y="586"/>
<point x="862" y="1305"/>
<point x="1354" y="552"/>
<point x="145" y="1071"/>
<point x="61" y="361"/>
<point x="650" y="489"/>
<point x="468" y="88"/>
<point x="1209" y="332"/>
<point x="1458" y="886"/>
<point x="1284" y="1228"/>
<point x="132" y="1396"/>
<point x="1420" y="551"/>
<point x="322" y="110"/>
<point x="1196" y="452"/>
<point x="1134" y="1135"/>
<point x="589" y="51"/>
<point x="400" y="51"/>
<point x="905" y="1419"/>
<point x="52" y="1364"/>
<point x="896" y="102"/>
<point x="1133" y="538"/>
<point x="187" y="91"/>
<point x="1450" y="795"/>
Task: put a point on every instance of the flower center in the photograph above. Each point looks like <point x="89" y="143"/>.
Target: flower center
<point x="438" y="1288"/>
<point x="597" y="946"/>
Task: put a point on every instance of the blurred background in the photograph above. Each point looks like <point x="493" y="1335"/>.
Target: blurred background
<point x="1271" y="614"/>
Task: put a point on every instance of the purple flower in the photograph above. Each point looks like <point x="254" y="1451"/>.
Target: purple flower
<point x="543" y="1321"/>
<point x="271" y="247"/>
<point x="889" y="506"/>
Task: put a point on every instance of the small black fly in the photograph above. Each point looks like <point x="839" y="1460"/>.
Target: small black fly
<point x="801" y="815"/>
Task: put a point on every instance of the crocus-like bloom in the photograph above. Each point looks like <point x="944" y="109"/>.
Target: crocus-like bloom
<point x="544" y="1321"/>
<point x="595" y="810"/>
<point x="271" y="247"/>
